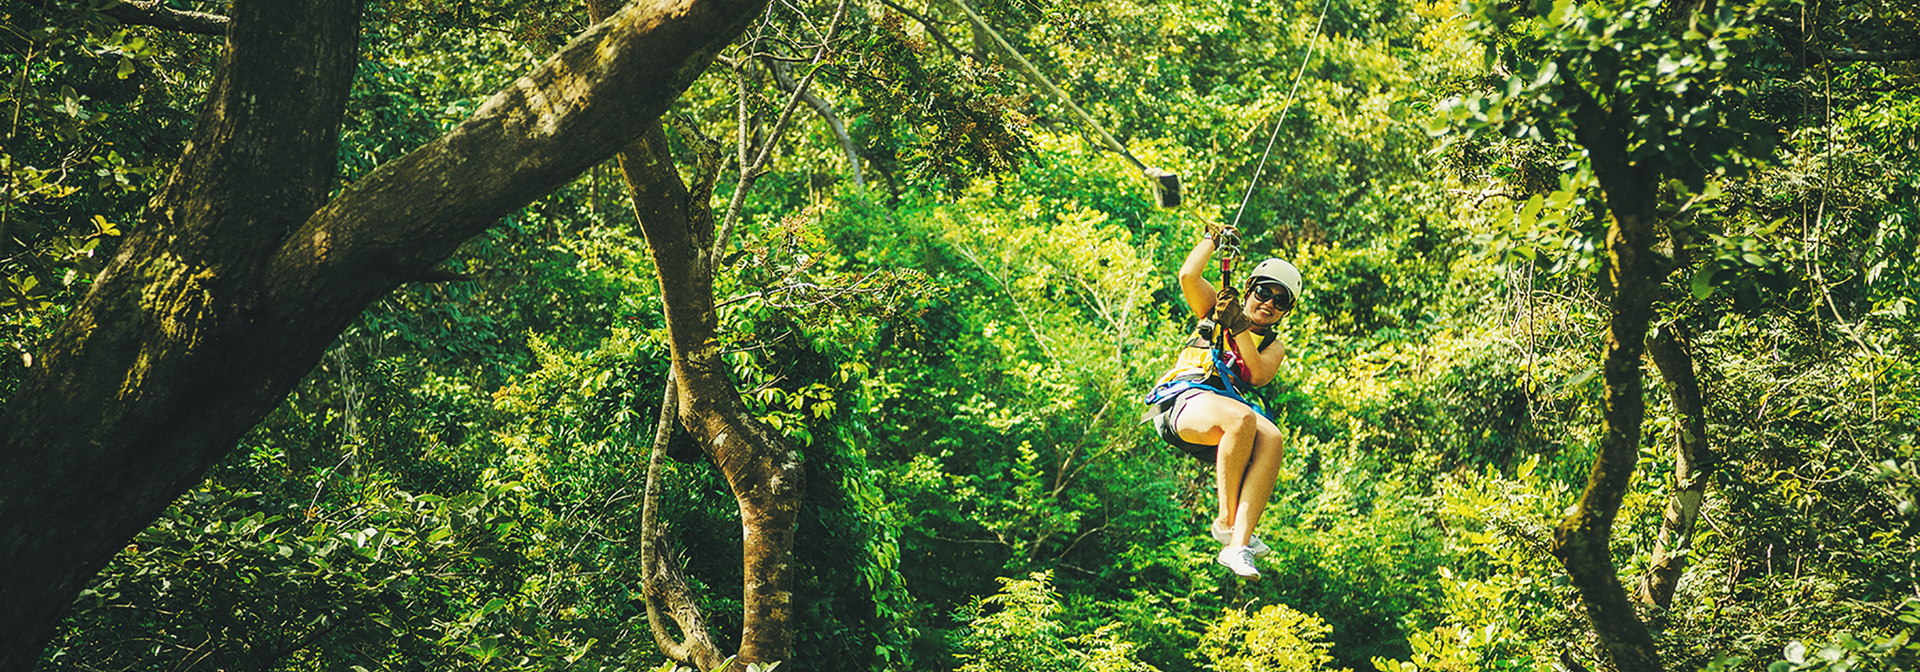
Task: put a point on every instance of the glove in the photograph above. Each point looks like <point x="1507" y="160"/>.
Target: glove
<point x="1227" y="313"/>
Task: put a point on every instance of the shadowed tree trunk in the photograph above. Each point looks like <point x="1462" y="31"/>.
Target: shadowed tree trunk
<point x="663" y="580"/>
<point x="242" y="272"/>
<point x="1633" y="274"/>
<point x="1693" y="463"/>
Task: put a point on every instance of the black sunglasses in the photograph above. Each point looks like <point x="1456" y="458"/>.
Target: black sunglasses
<point x="1276" y="293"/>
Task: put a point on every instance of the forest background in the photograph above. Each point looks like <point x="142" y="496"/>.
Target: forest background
<point x="950" y="299"/>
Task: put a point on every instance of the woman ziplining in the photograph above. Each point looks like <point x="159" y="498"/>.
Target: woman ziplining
<point x="1200" y="405"/>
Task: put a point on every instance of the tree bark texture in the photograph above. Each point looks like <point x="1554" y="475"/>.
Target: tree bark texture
<point x="1693" y="464"/>
<point x="242" y="273"/>
<point x="1634" y="272"/>
<point x="762" y="469"/>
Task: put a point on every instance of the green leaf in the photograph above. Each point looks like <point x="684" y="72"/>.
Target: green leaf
<point x="1703" y="283"/>
<point x="1562" y="10"/>
<point x="1530" y="213"/>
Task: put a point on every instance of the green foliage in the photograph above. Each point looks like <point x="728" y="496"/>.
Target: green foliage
<point x="1015" y="630"/>
<point x="1681" y="86"/>
<point x="1848" y="652"/>
<point x="959" y="352"/>
<point x="95" y="113"/>
<point x="1275" y="638"/>
<point x="390" y="580"/>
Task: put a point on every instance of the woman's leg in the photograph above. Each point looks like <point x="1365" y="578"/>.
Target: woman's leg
<point x="1256" y="482"/>
<point x="1214" y="419"/>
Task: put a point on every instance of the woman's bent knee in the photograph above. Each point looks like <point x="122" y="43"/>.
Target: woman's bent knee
<point x="1245" y="425"/>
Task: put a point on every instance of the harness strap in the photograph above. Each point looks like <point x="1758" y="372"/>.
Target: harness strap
<point x="1221" y="383"/>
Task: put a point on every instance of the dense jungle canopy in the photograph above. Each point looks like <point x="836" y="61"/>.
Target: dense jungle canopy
<point x="542" y="335"/>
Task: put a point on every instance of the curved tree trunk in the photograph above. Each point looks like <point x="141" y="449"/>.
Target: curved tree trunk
<point x="1693" y="463"/>
<point x="663" y="582"/>
<point x="241" y="274"/>
<point x="761" y="468"/>
<point x="1634" y="272"/>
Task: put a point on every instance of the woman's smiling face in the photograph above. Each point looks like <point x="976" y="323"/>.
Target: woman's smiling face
<point x="1264" y="307"/>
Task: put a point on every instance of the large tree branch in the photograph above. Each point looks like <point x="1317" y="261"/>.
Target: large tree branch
<point x="236" y="282"/>
<point x="156" y="13"/>
<point x="137" y="394"/>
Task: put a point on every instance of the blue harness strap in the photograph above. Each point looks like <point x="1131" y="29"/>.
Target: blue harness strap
<point x="1225" y="388"/>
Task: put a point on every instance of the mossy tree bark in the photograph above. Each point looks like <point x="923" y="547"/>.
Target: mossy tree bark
<point x="1634" y="271"/>
<point x="762" y="469"/>
<point x="1693" y="464"/>
<point x="242" y="273"/>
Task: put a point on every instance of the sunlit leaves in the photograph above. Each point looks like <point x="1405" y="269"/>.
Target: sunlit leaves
<point x="1274" y="638"/>
<point x="1018" y="629"/>
<point x="1678" y="91"/>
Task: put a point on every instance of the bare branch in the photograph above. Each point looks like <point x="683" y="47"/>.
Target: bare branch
<point x="825" y="110"/>
<point x="156" y="13"/>
<point x="752" y="171"/>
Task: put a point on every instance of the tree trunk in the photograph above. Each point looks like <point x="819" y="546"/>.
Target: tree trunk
<point x="761" y="468"/>
<point x="239" y="277"/>
<point x="1582" y="541"/>
<point x="1693" y="463"/>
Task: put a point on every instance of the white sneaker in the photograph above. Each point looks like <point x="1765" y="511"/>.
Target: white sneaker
<point x="1254" y="543"/>
<point x="1240" y="560"/>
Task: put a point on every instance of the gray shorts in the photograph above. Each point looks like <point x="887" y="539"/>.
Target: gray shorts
<point x="1164" y="417"/>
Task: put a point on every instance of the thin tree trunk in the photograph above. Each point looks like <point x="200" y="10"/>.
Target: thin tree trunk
<point x="233" y="285"/>
<point x="1693" y="463"/>
<point x="663" y="583"/>
<point x="761" y="468"/>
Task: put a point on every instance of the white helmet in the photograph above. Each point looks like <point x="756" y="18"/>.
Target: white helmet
<point x="1276" y="270"/>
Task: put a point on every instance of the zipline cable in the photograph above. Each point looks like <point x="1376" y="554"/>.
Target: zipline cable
<point x="1165" y="183"/>
<point x="1311" y="43"/>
